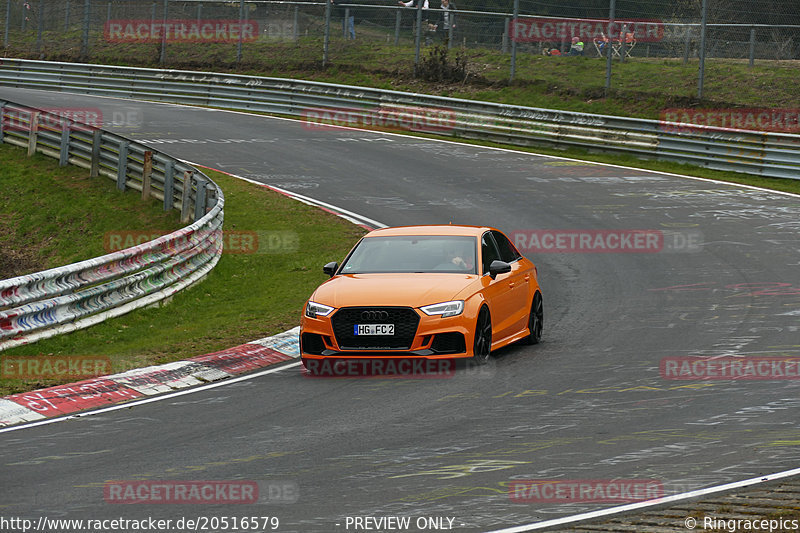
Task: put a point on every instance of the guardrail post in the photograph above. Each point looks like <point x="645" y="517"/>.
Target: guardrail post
<point x="97" y="144"/>
<point x="63" y="156"/>
<point x="147" y="170"/>
<point x="169" y="185"/>
<point x="200" y="199"/>
<point x="185" y="195"/>
<point x="34" y="132"/>
<point x="122" y="167"/>
<point x="398" y="15"/>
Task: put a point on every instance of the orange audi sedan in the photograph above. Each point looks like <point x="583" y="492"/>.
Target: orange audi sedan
<point x="432" y="292"/>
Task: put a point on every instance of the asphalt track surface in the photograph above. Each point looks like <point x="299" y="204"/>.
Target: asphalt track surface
<point x="588" y="403"/>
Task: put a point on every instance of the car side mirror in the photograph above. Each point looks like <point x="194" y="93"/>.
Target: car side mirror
<point x="499" y="267"/>
<point x="331" y="268"/>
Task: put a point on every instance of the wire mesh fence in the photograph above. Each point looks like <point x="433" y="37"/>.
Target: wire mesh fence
<point x="353" y="34"/>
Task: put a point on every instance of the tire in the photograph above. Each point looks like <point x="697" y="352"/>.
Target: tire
<point x="482" y="346"/>
<point x="535" y="321"/>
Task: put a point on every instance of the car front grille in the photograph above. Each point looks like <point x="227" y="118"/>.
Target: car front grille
<point x="405" y="322"/>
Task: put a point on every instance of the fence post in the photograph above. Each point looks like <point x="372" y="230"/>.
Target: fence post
<point x="185" y="195"/>
<point x="397" y="16"/>
<point x="108" y="12"/>
<point x="97" y="145"/>
<point x="122" y="165"/>
<point x="418" y="36"/>
<point x="611" y="14"/>
<point x="687" y="44"/>
<point x="8" y="22"/>
<point x="40" y="28"/>
<point x="514" y="42"/>
<point x="296" y="25"/>
<point x="2" y="120"/>
<point x="169" y="185"/>
<point x="702" y="71"/>
<point x="147" y="170"/>
<point x="199" y="12"/>
<point x="505" y="35"/>
<point x="344" y="22"/>
<point x="34" y="132"/>
<point x="63" y="156"/>
<point x="87" y="11"/>
<point x="241" y="22"/>
<point x="327" y="33"/>
<point x="752" y="46"/>
<point x="200" y="199"/>
<point x="66" y="17"/>
<point x="163" y="55"/>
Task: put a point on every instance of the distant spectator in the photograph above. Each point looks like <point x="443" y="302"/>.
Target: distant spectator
<point x="348" y="22"/>
<point x="448" y="20"/>
<point x="577" y="47"/>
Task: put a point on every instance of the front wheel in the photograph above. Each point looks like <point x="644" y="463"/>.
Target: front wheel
<point x="535" y="321"/>
<point x="482" y="347"/>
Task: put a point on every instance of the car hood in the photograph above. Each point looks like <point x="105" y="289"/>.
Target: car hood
<point x="406" y="290"/>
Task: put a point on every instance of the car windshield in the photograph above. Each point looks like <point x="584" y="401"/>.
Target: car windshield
<point x="454" y="254"/>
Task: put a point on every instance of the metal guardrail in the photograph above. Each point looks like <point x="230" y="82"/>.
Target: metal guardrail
<point x="63" y="299"/>
<point x="753" y="152"/>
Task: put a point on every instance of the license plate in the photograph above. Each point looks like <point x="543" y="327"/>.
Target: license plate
<point x="373" y="329"/>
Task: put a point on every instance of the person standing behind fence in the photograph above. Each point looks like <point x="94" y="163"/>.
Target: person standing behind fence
<point x="577" y="47"/>
<point x="447" y="21"/>
<point x="348" y="20"/>
<point x="427" y="27"/>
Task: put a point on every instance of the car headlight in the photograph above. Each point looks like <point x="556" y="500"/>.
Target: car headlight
<point x="445" y="308"/>
<point x="313" y="310"/>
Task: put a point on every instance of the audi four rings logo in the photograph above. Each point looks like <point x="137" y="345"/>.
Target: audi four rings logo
<point x="375" y="315"/>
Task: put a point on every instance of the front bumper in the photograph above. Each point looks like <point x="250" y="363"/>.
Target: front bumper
<point x="434" y="338"/>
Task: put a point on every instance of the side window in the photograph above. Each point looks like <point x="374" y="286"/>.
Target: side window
<point x="488" y="251"/>
<point x="508" y="253"/>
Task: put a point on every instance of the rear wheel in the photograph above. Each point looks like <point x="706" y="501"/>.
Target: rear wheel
<point x="482" y="347"/>
<point x="535" y="321"/>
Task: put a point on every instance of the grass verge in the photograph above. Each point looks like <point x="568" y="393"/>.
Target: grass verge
<point x="247" y="296"/>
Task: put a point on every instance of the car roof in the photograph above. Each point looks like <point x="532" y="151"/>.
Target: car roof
<point x="443" y="229"/>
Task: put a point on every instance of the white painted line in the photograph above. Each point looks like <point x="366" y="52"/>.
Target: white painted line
<point x="155" y="399"/>
<point x="649" y="503"/>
